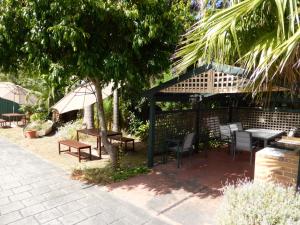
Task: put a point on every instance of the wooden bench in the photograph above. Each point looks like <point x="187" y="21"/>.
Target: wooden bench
<point x="77" y="145"/>
<point x="124" y="140"/>
<point x="2" y="123"/>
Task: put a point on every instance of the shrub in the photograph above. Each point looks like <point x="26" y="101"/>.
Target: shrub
<point x="68" y="131"/>
<point x="138" y="128"/>
<point x="107" y="175"/>
<point x="259" y="203"/>
<point x="39" y="116"/>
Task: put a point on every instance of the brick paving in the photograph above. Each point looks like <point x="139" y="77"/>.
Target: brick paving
<point x="33" y="191"/>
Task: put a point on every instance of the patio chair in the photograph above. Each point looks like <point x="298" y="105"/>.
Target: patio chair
<point x="236" y="127"/>
<point x="226" y="136"/>
<point x="243" y="142"/>
<point x="181" y="147"/>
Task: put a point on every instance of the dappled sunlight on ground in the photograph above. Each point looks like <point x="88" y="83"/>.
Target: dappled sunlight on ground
<point x="197" y="185"/>
<point x="47" y="148"/>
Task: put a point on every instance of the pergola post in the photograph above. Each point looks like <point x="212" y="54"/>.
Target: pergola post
<point x="151" y="139"/>
<point x="197" y="110"/>
<point x="298" y="178"/>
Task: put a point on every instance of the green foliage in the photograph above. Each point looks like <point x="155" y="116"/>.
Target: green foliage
<point x="108" y="175"/>
<point x="137" y="127"/>
<point x="27" y="109"/>
<point x="68" y="130"/>
<point x="126" y="41"/>
<point x="108" y="110"/>
<point x="125" y="173"/>
<point x="259" y="203"/>
<point x="39" y="116"/>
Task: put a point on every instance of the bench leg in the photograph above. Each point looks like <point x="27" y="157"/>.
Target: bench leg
<point x="58" y="148"/>
<point x="90" y="150"/>
<point x="133" y="145"/>
<point x="99" y="147"/>
<point x="79" y="157"/>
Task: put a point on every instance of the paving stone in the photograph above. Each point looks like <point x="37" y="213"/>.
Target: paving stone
<point x="156" y="222"/>
<point x="54" y="194"/>
<point x="10" y="207"/>
<point x="70" y="207"/>
<point x="10" y="185"/>
<point x="5" y="193"/>
<point x="22" y="189"/>
<point x="26" y="221"/>
<point x="4" y="201"/>
<point x="40" y="190"/>
<point x="34" y="200"/>
<point x="10" y="217"/>
<point x="72" y="218"/>
<point x="56" y="199"/>
<point x="20" y="196"/>
<point x="92" y="210"/>
<point x="32" y="210"/>
<point x="121" y="222"/>
<point x="106" y="218"/>
<point x="48" y="215"/>
<point x="53" y="222"/>
<point x="30" y="180"/>
<point x="61" y="200"/>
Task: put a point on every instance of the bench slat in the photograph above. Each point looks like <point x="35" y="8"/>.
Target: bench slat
<point x="74" y="144"/>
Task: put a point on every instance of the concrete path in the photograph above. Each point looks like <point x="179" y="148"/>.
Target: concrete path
<point x="32" y="191"/>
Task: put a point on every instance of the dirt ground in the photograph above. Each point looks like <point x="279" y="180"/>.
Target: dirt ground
<point x="47" y="148"/>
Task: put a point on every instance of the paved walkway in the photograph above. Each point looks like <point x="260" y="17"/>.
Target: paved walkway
<point x="32" y="191"/>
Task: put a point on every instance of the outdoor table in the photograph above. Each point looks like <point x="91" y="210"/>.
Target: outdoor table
<point x="13" y="115"/>
<point x="96" y="133"/>
<point x="265" y="134"/>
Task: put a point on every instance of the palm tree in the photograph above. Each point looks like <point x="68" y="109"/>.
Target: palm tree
<point x="260" y="35"/>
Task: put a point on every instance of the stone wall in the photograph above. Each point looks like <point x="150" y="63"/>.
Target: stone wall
<point x="277" y="165"/>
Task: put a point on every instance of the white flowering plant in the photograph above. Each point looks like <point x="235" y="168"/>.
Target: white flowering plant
<point x="259" y="203"/>
<point x="68" y="131"/>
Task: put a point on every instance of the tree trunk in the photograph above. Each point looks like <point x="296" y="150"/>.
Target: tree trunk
<point x="88" y="116"/>
<point x="111" y="150"/>
<point x="115" y="111"/>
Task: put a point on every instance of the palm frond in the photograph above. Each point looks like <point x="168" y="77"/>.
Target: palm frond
<point x="260" y="35"/>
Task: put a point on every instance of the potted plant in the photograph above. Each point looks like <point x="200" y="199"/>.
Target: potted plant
<point x="30" y="133"/>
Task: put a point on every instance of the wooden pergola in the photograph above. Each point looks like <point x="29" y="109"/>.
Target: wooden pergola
<point x="202" y="81"/>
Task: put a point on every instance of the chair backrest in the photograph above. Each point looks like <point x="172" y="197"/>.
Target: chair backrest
<point x="188" y="141"/>
<point x="236" y="126"/>
<point x="225" y="132"/>
<point x="243" y="141"/>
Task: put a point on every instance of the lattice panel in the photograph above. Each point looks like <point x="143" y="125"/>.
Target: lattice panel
<point x="209" y="82"/>
<point x="269" y="120"/>
<point x="210" y="121"/>
<point x="173" y="125"/>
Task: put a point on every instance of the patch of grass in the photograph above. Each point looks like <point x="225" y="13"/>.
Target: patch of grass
<point x="107" y="175"/>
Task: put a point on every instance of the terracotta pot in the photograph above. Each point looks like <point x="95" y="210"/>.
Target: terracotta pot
<point x="30" y="134"/>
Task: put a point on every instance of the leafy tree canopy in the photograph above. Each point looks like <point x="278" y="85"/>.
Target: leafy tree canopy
<point x="108" y="40"/>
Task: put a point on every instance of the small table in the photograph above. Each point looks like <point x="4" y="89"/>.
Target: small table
<point x="96" y="133"/>
<point x="13" y="115"/>
<point x="265" y="134"/>
<point x="77" y="145"/>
